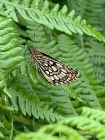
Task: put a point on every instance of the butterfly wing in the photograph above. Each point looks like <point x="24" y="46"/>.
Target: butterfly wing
<point x="54" y="71"/>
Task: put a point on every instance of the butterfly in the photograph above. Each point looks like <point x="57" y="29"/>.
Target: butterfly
<point x="53" y="71"/>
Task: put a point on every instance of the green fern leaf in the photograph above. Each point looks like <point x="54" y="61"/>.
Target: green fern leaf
<point x="8" y="63"/>
<point x="30" y="103"/>
<point x="54" y="18"/>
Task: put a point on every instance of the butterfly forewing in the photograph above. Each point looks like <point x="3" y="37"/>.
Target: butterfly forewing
<point x="54" y="71"/>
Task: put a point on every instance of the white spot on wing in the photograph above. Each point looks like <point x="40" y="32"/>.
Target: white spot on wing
<point x="52" y="78"/>
<point x="54" y="68"/>
<point x="46" y="76"/>
<point x="46" y="64"/>
<point x="50" y="70"/>
<point x="47" y="72"/>
<point x="69" y="75"/>
<point x="59" y="65"/>
<point x="63" y="73"/>
<point x="50" y="62"/>
<point x="68" y="79"/>
<point x="59" y="76"/>
<point x="56" y="77"/>
<point x="64" y="70"/>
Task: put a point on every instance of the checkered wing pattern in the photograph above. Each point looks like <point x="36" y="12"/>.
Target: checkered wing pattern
<point x="54" y="71"/>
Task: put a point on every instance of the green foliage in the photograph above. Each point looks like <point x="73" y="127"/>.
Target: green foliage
<point x="27" y="100"/>
<point x="90" y="124"/>
<point x="9" y="58"/>
<point x="96" y="19"/>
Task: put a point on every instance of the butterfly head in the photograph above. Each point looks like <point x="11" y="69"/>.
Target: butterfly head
<point x="32" y="50"/>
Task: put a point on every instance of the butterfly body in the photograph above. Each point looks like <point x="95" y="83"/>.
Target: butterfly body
<point x="54" y="71"/>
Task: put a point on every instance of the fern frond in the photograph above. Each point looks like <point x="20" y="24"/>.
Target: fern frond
<point x="98" y="115"/>
<point x="4" y="108"/>
<point x="30" y="103"/>
<point x="9" y="58"/>
<point x="88" y="126"/>
<point x="6" y="128"/>
<point x="87" y="7"/>
<point x="52" y="18"/>
<point x="54" y="130"/>
<point x="87" y="87"/>
<point x="95" y="49"/>
<point x="89" y="122"/>
<point x="97" y="57"/>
